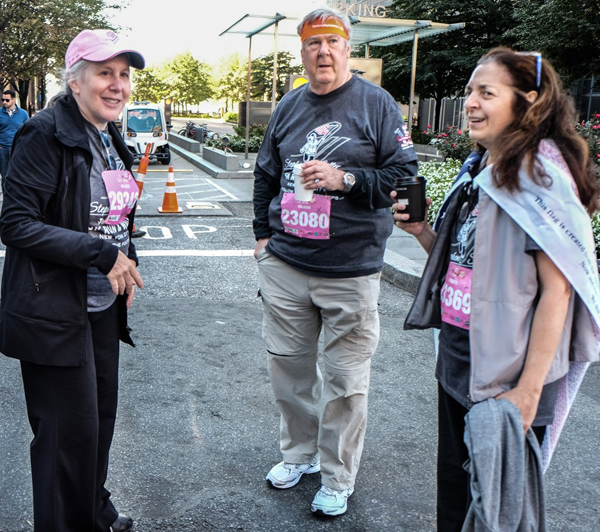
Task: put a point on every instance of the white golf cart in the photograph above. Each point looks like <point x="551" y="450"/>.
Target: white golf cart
<point x="144" y="123"/>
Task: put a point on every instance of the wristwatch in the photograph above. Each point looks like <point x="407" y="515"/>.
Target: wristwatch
<point x="348" y="179"/>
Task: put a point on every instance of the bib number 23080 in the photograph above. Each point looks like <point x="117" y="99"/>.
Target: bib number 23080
<point x="306" y="219"/>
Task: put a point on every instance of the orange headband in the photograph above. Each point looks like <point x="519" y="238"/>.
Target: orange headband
<point x="323" y="25"/>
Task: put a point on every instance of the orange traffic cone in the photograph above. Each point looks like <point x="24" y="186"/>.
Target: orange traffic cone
<point x="143" y="168"/>
<point x="170" y="197"/>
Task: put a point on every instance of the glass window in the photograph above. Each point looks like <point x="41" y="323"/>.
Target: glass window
<point x="143" y="120"/>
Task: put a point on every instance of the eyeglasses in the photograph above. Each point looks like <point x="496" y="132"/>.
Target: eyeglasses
<point x="112" y="162"/>
<point x="6" y="99"/>
<point x="538" y="67"/>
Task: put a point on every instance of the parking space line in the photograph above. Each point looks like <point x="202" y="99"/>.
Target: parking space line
<point x="234" y="198"/>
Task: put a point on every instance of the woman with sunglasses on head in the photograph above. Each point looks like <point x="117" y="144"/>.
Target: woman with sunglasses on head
<point x="69" y="277"/>
<point x="511" y="280"/>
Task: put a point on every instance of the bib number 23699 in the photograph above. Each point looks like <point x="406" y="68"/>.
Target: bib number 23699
<point x="306" y="219"/>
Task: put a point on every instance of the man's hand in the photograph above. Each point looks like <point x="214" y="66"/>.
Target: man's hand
<point x="260" y="243"/>
<point x="124" y="276"/>
<point x="319" y="174"/>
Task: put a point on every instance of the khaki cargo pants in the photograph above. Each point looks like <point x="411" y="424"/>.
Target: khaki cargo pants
<point x="324" y="413"/>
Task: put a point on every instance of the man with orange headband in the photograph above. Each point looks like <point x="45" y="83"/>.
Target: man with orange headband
<point x="319" y="261"/>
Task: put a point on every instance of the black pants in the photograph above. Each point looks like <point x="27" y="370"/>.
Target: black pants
<point x="72" y="414"/>
<point x="453" y="482"/>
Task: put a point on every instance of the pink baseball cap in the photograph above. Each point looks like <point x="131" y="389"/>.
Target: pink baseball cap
<point x="98" y="46"/>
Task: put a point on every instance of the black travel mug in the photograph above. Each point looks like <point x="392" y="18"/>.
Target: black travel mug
<point x="410" y="191"/>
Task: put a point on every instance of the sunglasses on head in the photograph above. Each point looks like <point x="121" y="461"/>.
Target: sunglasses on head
<point x="538" y="67"/>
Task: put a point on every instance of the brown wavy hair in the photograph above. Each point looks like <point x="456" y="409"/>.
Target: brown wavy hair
<point x="550" y="116"/>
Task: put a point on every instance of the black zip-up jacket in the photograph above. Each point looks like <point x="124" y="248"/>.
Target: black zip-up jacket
<point x="44" y="226"/>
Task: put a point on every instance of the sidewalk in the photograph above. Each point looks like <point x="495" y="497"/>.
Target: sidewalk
<point x="404" y="257"/>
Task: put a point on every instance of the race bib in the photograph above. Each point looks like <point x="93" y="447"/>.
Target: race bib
<point x="306" y="219"/>
<point x="122" y="193"/>
<point x="456" y="296"/>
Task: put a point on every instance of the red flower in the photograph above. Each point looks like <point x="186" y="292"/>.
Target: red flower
<point x="459" y="132"/>
<point x="444" y="134"/>
<point x="454" y="145"/>
<point x="439" y="136"/>
<point x="428" y="127"/>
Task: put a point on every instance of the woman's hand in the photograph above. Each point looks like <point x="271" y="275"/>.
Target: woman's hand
<point x="124" y="276"/>
<point x="421" y="230"/>
<point x="130" y="296"/>
<point x="413" y="228"/>
<point x="526" y="401"/>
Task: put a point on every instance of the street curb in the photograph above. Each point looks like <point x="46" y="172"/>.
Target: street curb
<point x="211" y="169"/>
<point x="401" y="272"/>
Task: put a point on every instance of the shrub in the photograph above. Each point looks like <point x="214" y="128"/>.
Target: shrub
<point x="453" y="143"/>
<point x="237" y="143"/>
<point x="421" y="137"/>
<point x="256" y="130"/>
<point x="440" y="177"/>
<point x="231" y="117"/>
<point x="590" y="132"/>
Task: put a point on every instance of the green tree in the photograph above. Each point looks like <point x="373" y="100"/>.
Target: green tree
<point x="445" y="61"/>
<point x="233" y="77"/>
<point x="34" y="36"/>
<point x="262" y="75"/>
<point x="149" y="85"/>
<point x="567" y="32"/>
<point x="189" y="80"/>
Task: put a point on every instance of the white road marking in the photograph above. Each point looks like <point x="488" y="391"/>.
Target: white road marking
<point x="187" y="253"/>
<point x="235" y="198"/>
<point x="192" y="230"/>
<point x="195" y="252"/>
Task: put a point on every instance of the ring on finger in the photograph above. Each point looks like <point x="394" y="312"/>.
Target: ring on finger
<point x="316" y="181"/>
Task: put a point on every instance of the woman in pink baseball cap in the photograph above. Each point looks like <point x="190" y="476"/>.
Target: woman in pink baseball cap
<point x="69" y="277"/>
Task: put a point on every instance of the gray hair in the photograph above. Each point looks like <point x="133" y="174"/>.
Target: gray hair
<point x="75" y="73"/>
<point x="326" y="12"/>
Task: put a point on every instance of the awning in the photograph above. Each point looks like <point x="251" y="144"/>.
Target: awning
<point x="389" y="31"/>
<point x="367" y="31"/>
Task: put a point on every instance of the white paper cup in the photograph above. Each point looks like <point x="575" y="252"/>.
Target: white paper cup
<point x="300" y="193"/>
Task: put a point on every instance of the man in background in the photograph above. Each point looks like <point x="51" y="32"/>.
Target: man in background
<point x="12" y="117"/>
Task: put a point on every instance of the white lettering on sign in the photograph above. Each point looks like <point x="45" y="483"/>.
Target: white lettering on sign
<point x="152" y="230"/>
<point x="358" y="8"/>
<point x="191" y="231"/>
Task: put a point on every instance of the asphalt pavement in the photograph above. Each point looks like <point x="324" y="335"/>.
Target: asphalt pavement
<point x="197" y="428"/>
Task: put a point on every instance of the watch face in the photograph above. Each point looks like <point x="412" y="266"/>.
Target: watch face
<point x="348" y="179"/>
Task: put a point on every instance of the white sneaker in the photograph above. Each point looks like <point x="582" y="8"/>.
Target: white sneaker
<point x="285" y="475"/>
<point x="331" y="502"/>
